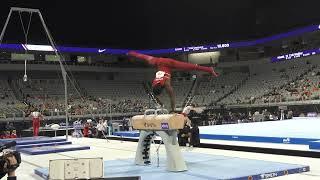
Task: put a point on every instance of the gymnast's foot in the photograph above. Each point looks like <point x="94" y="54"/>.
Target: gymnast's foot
<point x="214" y="73"/>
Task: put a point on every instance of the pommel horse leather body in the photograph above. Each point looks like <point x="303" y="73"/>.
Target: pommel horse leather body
<point x="166" y="126"/>
<point x="158" y="122"/>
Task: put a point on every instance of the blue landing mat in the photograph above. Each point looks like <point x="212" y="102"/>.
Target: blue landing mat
<point x="52" y="149"/>
<point x="127" y="133"/>
<point x="314" y="145"/>
<point x="43" y="144"/>
<point x="33" y="140"/>
<point x="201" y="167"/>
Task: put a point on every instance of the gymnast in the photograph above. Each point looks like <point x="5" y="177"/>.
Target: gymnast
<point x="163" y="75"/>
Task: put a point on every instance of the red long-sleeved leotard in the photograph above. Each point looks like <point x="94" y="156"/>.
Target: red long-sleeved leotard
<point x="165" y="66"/>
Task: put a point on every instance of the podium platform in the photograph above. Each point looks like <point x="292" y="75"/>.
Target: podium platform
<point x="44" y="145"/>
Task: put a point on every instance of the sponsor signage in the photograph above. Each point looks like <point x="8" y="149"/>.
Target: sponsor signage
<point x="164" y="126"/>
<point x="149" y="125"/>
<point x="295" y="55"/>
<point x="268" y="175"/>
<point x="211" y="47"/>
<point x="286" y="140"/>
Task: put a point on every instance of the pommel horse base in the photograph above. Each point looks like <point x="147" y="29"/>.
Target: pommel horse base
<point x="166" y="126"/>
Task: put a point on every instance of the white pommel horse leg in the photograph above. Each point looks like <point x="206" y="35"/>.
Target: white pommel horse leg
<point x="166" y="126"/>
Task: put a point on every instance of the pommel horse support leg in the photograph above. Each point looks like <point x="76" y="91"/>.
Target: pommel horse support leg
<point x="166" y="126"/>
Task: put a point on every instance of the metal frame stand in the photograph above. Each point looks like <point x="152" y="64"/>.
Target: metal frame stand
<point x="105" y="136"/>
<point x="61" y="58"/>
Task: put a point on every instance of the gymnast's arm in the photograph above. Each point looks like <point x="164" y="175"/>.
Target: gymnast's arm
<point x="149" y="59"/>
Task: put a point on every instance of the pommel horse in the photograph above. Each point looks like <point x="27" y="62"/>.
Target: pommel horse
<point x="166" y="126"/>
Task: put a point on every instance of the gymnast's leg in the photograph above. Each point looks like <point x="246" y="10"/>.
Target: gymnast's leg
<point x="187" y="66"/>
<point x="170" y="92"/>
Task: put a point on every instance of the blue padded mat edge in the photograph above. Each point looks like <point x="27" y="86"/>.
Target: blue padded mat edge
<point x="55" y="149"/>
<point x="201" y="166"/>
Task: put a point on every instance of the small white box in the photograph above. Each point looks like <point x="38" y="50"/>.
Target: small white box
<point x="82" y="168"/>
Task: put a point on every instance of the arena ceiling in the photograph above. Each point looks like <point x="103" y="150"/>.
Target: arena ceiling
<point x="145" y="24"/>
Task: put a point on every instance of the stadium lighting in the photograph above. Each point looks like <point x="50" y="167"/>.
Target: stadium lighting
<point x="32" y="47"/>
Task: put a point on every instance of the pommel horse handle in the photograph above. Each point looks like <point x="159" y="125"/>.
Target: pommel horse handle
<point x="155" y="111"/>
<point x="149" y="112"/>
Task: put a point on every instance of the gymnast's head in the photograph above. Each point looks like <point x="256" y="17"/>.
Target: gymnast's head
<point x="157" y="89"/>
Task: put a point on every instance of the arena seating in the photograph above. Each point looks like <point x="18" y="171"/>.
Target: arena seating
<point x="181" y="89"/>
<point x="264" y="78"/>
<point x="44" y="87"/>
<point x="303" y="88"/>
<point x="98" y="96"/>
<point x="6" y="93"/>
<point x="48" y="94"/>
<point x="294" y="80"/>
<point x="210" y="91"/>
<point x="120" y="93"/>
<point x="8" y="101"/>
<point x="132" y="92"/>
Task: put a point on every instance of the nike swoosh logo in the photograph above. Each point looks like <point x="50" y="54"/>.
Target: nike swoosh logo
<point x="101" y="50"/>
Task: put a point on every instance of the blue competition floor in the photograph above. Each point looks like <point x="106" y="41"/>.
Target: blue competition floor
<point x="300" y="130"/>
<point x="201" y="167"/>
<point x="295" y="131"/>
